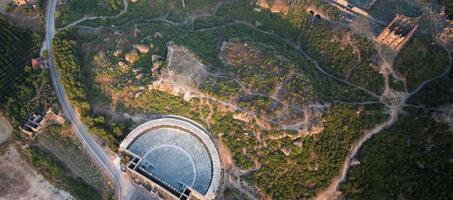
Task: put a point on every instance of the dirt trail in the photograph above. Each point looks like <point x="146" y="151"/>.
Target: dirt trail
<point x="394" y="102"/>
<point x="86" y="18"/>
<point x="5" y="130"/>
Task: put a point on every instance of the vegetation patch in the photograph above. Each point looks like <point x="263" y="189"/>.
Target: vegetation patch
<point x="421" y="60"/>
<point x="55" y="171"/>
<point x="355" y="60"/>
<point x="436" y="93"/>
<point x="16" y="53"/>
<point x="312" y="161"/>
<point x="74" y="10"/>
<point x="66" y="60"/>
<point x="61" y="144"/>
<point x="410" y="160"/>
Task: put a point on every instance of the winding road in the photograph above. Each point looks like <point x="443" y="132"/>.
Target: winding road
<point x="123" y="187"/>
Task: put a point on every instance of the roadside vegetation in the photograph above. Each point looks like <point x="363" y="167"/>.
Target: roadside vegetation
<point x="67" y="62"/>
<point x="411" y="160"/>
<point x="25" y="91"/>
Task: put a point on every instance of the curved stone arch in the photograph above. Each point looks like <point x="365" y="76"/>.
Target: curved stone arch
<point x="189" y="126"/>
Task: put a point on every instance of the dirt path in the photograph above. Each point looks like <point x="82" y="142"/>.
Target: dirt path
<point x="86" y="18"/>
<point x="19" y="181"/>
<point x="5" y="130"/>
<point x="394" y="102"/>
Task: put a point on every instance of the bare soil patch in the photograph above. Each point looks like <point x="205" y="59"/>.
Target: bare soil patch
<point x="18" y="180"/>
<point x="5" y="130"/>
<point x="276" y="6"/>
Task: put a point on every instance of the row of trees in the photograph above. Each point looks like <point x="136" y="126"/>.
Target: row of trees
<point x="18" y="82"/>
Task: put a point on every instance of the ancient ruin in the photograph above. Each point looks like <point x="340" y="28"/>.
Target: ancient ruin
<point x="173" y="157"/>
<point x="37" y="122"/>
<point x="398" y="32"/>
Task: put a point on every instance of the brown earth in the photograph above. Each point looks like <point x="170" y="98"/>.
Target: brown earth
<point x="277" y="6"/>
<point x="19" y="181"/>
<point x="5" y="130"/>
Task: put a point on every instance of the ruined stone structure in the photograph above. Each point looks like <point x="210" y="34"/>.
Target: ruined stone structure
<point x="398" y="32"/>
<point x="174" y="157"/>
<point x="36" y="123"/>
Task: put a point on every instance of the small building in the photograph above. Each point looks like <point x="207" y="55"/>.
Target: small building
<point x="37" y="63"/>
<point x="122" y="65"/>
<point x="139" y="76"/>
<point x="345" y="6"/>
<point x="155" y="58"/>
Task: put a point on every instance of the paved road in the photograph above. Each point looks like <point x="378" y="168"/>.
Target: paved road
<point x="124" y="188"/>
